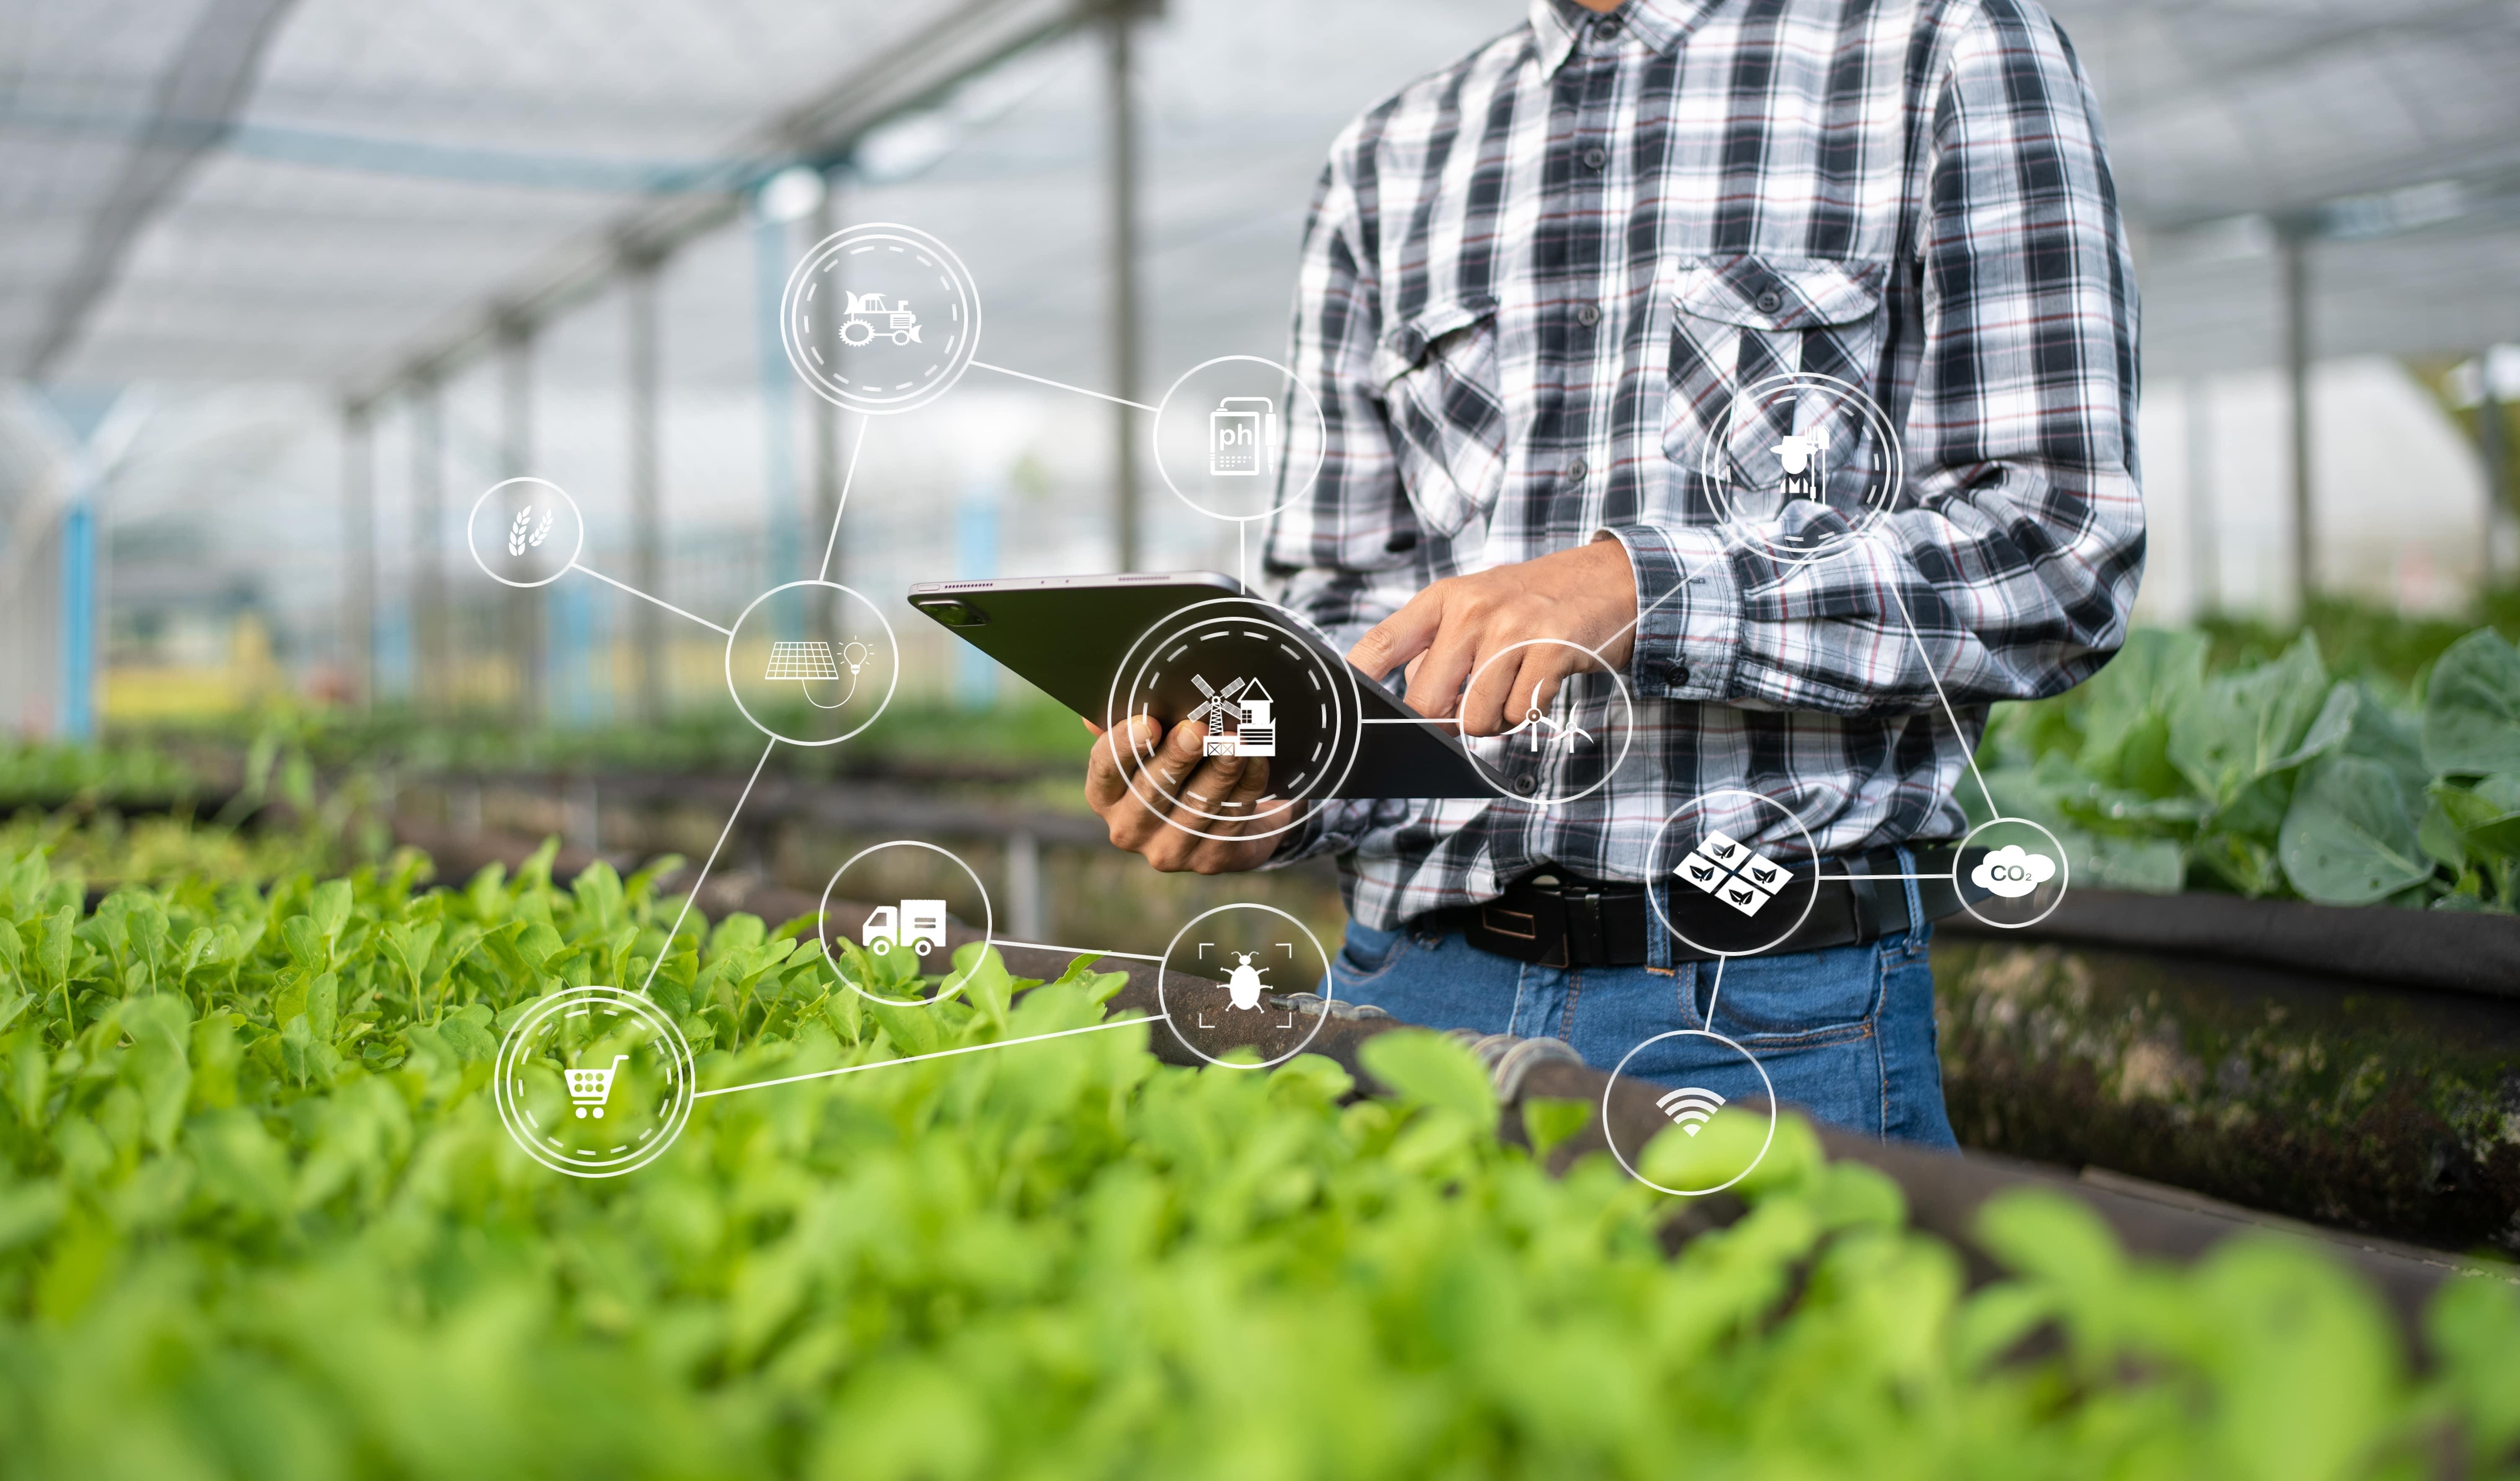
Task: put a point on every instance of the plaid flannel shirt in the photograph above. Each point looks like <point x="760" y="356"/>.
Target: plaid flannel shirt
<point x="1532" y="282"/>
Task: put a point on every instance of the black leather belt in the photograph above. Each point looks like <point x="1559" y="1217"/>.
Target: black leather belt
<point x="1558" y="920"/>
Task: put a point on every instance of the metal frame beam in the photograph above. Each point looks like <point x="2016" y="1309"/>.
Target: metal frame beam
<point x="197" y="101"/>
<point x="912" y="72"/>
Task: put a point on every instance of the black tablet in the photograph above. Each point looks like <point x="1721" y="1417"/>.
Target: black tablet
<point x="1193" y="644"/>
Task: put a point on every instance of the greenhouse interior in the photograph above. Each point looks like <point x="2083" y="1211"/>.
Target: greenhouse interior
<point x="563" y="562"/>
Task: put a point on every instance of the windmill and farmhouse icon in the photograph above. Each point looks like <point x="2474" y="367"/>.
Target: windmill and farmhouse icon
<point x="1245" y="702"/>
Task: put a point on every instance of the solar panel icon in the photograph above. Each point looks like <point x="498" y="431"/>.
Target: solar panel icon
<point x="801" y="661"/>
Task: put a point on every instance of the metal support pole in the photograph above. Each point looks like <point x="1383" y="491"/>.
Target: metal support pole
<point x="431" y="684"/>
<point x="515" y="458"/>
<point x="2204" y="532"/>
<point x="358" y="553"/>
<point x="1121" y="129"/>
<point x="2292" y="254"/>
<point x="2493" y="449"/>
<point x="647" y="511"/>
<point x="826" y="434"/>
<point x="79" y="615"/>
<point x="1028" y="909"/>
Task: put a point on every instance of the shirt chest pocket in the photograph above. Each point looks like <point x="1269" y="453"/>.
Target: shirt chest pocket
<point x="1440" y="382"/>
<point x="1741" y="322"/>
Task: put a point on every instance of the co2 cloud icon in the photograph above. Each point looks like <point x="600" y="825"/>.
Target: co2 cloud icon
<point x="2012" y="872"/>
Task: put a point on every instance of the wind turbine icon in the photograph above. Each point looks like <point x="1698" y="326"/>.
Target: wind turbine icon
<point x="1559" y="737"/>
<point x="1216" y="710"/>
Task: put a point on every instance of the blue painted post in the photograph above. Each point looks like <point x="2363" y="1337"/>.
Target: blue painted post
<point x="78" y="622"/>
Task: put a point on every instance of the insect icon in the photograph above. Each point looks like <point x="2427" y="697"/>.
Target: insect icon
<point x="1245" y="983"/>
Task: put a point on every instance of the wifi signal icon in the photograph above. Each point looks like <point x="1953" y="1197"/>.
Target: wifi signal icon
<point x="1690" y="1107"/>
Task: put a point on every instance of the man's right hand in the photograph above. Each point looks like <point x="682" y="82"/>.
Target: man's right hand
<point x="1130" y="781"/>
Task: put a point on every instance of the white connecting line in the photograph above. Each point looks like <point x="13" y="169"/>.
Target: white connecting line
<point x="1061" y="385"/>
<point x="942" y="1054"/>
<point x="842" y="504"/>
<point x="643" y="597"/>
<point x="685" y="911"/>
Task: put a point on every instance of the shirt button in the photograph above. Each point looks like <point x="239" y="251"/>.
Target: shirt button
<point x="1595" y="157"/>
<point x="1676" y="676"/>
<point x="1575" y="470"/>
<point x="1588" y="314"/>
<point x="1606" y="27"/>
<point x="1769" y="301"/>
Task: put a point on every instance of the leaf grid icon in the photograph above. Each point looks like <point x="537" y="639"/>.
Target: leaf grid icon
<point x="1733" y="872"/>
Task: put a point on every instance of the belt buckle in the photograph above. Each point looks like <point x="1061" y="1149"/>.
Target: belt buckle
<point x="1493" y="919"/>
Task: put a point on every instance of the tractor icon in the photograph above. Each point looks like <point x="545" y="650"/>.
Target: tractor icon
<point x="869" y="320"/>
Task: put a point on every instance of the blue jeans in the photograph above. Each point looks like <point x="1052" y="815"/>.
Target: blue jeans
<point x="1846" y="1033"/>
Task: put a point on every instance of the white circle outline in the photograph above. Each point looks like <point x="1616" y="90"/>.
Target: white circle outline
<point x="1626" y="739"/>
<point x="892" y="680"/>
<point x="505" y="1068"/>
<point x="1311" y="403"/>
<point x="1355" y="708"/>
<point x="988" y="924"/>
<point x="1330" y="980"/>
<point x="473" y="518"/>
<point x="1846" y="392"/>
<point x="2064" y="874"/>
<point x="1612" y="1142"/>
<point x="1656" y="875"/>
<point x="817" y="260"/>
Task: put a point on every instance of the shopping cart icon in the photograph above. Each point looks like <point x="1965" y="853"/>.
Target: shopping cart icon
<point x="591" y="1088"/>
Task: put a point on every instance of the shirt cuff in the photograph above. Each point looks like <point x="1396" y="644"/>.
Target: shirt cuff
<point x="1689" y="628"/>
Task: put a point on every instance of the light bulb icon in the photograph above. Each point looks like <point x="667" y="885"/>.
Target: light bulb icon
<point x="856" y="655"/>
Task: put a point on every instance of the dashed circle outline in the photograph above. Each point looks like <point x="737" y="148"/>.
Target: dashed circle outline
<point x="509" y="1061"/>
<point x="1720" y="442"/>
<point x="2064" y="874"/>
<point x="1313" y="403"/>
<point x="796" y="298"/>
<point x="988" y="924"/>
<point x="1657" y="875"/>
<point x="1330" y="980"/>
<point x="474" y="518"/>
<point x="1335" y="673"/>
<point x="1627" y="739"/>
<point x="1612" y="1142"/>
<point x="891" y="683"/>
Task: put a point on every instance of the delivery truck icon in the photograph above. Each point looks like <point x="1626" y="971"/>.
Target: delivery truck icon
<point x="1242" y="433"/>
<point x="919" y="924"/>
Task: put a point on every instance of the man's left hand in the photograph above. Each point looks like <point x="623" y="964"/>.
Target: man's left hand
<point x="1447" y="634"/>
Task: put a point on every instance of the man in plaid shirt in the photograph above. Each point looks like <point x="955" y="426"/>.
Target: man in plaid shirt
<point x="1535" y="288"/>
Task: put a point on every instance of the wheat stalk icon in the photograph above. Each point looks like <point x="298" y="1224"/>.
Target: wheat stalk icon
<point x="517" y="537"/>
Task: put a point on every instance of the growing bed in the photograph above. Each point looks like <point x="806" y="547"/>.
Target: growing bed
<point x="256" y="1217"/>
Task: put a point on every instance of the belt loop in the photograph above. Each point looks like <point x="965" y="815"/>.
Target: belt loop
<point x="1860" y="887"/>
<point x="1916" y="891"/>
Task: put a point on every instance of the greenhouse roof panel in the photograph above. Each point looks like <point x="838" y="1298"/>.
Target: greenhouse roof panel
<point x="394" y="169"/>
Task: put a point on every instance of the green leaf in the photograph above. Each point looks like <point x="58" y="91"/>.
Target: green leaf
<point x="2239" y="727"/>
<point x="2350" y="836"/>
<point x="2486" y="816"/>
<point x="1548" y="1120"/>
<point x="323" y="1007"/>
<point x="2128" y="707"/>
<point x="330" y="906"/>
<point x="2472" y="709"/>
<point x="1431" y="1069"/>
